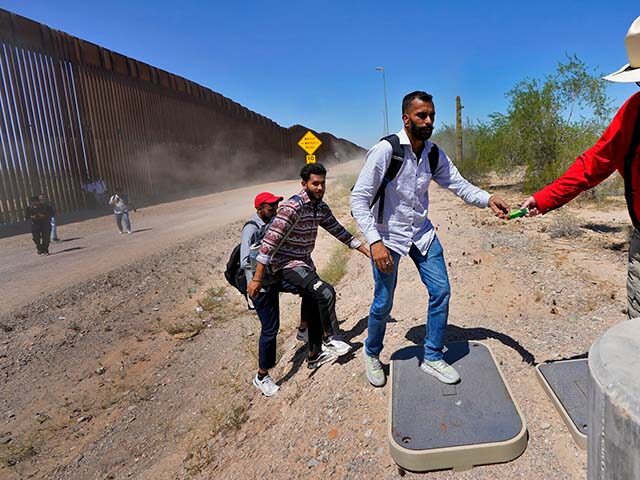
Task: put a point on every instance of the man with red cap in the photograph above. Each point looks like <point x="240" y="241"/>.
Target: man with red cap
<point x="618" y="149"/>
<point x="267" y="303"/>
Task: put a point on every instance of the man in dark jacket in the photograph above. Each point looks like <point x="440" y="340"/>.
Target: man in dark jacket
<point x="40" y="214"/>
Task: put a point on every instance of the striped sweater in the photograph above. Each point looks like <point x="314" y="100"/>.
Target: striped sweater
<point x="304" y="217"/>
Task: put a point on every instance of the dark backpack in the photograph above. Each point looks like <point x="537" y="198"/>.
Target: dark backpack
<point x="397" y="157"/>
<point x="233" y="273"/>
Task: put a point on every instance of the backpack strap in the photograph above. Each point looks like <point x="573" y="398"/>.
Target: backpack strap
<point x="434" y="157"/>
<point x="628" y="161"/>
<point x="298" y="199"/>
<point x="251" y="222"/>
<point x="397" y="157"/>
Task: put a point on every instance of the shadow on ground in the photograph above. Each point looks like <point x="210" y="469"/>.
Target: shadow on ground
<point x="64" y="240"/>
<point x="579" y="356"/>
<point x="67" y="250"/>
<point x="300" y="355"/>
<point x="454" y="333"/>
<point x="602" y="228"/>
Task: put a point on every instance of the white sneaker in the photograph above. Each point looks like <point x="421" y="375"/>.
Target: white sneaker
<point x="336" y="346"/>
<point x="129" y="232"/>
<point x="303" y="335"/>
<point x="373" y="368"/>
<point x="267" y="386"/>
<point x="441" y="370"/>
<point x="323" y="357"/>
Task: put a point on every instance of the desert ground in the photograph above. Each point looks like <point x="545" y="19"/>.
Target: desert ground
<point x="130" y="357"/>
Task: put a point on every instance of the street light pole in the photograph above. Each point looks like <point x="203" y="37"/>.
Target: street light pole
<point x="386" y="111"/>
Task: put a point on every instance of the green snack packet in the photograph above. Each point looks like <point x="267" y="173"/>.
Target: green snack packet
<point x="517" y="213"/>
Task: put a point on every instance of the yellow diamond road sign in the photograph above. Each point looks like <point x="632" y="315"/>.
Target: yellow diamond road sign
<point x="309" y="143"/>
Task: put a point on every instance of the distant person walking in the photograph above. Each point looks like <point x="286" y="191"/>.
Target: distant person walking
<point x="54" y="225"/>
<point x="618" y="149"/>
<point x="393" y="213"/>
<point x="40" y="214"/>
<point x="120" y="203"/>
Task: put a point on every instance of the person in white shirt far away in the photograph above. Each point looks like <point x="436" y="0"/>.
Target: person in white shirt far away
<point x="120" y="203"/>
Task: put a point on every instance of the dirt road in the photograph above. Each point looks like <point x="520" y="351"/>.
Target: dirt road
<point x="95" y="384"/>
<point x="95" y="246"/>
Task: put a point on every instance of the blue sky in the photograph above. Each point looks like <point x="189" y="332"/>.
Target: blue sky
<point x="314" y="62"/>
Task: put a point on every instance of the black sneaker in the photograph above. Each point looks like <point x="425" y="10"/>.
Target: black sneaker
<point x="323" y="357"/>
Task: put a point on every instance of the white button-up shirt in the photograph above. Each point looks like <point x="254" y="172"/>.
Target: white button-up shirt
<point x="405" y="219"/>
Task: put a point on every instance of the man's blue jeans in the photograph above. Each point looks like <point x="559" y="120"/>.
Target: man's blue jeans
<point x="433" y="273"/>
<point x="120" y="217"/>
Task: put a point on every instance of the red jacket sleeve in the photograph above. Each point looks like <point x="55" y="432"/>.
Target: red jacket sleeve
<point x="597" y="163"/>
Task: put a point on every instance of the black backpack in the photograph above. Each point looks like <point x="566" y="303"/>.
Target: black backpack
<point x="397" y="157"/>
<point x="233" y="273"/>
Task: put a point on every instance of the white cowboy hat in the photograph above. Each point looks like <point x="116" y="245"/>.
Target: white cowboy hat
<point x="631" y="71"/>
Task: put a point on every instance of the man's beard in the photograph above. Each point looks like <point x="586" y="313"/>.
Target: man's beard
<point x="421" y="133"/>
<point x="315" y="196"/>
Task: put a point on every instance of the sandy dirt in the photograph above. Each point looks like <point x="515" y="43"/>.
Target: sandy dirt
<point x="95" y="246"/>
<point x="94" y="386"/>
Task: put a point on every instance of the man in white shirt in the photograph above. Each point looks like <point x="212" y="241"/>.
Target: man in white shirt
<point x="395" y="223"/>
<point x="100" y="190"/>
<point x="89" y="193"/>
<point x="120" y="204"/>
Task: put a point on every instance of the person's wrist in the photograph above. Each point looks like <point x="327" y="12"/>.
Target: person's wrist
<point x="257" y="280"/>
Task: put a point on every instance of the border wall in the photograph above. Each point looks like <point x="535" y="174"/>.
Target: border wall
<point x="72" y="111"/>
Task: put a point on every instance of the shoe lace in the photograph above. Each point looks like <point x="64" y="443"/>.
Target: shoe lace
<point x="440" y="365"/>
<point x="375" y="363"/>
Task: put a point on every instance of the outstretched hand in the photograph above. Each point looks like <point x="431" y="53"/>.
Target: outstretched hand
<point x="531" y="204"/>
<point x="498" y="206"/>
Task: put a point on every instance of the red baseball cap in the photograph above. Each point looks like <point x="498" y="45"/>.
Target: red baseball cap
<point x="265" y="197"/>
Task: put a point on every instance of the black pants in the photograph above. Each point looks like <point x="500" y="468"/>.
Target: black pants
<point x="320" y="295"/>
<point x="41" y="233"/>
<point x="267" y="305"/>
